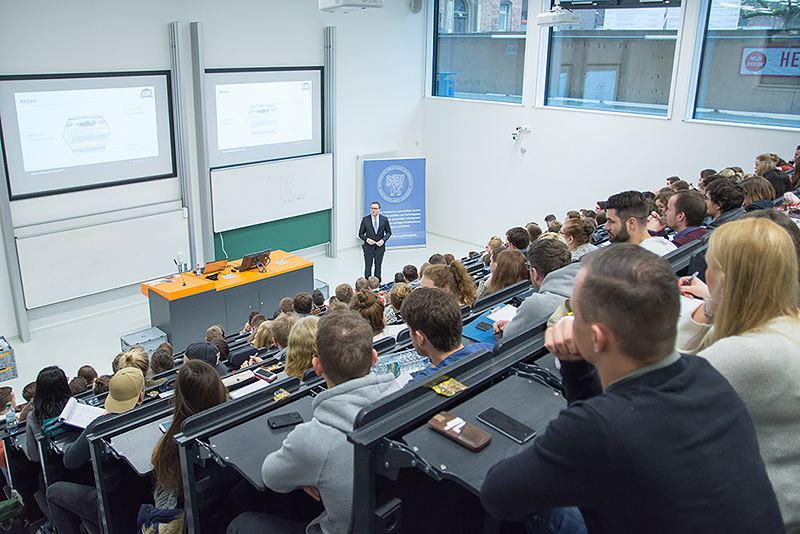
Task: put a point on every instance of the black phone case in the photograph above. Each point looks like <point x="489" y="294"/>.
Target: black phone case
<point x="284" y="420"/>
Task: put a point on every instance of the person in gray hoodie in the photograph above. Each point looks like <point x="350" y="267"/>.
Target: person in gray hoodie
<point x="316" y="455"/>
<point x="553" y="276"/>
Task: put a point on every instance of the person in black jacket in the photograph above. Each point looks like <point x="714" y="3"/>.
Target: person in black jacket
<point x="652" y="441"/>
<point x="374" y="232"/>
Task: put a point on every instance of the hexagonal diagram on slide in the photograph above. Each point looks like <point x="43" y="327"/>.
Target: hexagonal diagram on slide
<point x="88" y="132"/>
<point x="263" y="119"/>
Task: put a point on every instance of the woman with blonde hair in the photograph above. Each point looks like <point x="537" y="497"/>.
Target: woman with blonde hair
<point x="369" y="305"/>
<point x="454" y="278"/>
<point x="764" y="163"/>
<point x="510" y="269"/>
<point x="578" y="234"/>
<point x="398" y="292"/>
<point x="263" y="336"/>
<point x="749" y="329"/>
<point x="302" y="347"/>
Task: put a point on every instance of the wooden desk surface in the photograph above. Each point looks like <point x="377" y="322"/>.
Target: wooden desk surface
<point x="173" y="288"/>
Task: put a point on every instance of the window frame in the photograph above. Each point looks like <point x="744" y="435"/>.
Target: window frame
<point x="508" y="16"/>
<point x="432" y="48"/>
<point x="545" y="45"/>
<point x="694" y="82"/>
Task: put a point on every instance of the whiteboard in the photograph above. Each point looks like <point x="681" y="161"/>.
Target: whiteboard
<point x="255" y="194"/>
<point x="73" y="263"/>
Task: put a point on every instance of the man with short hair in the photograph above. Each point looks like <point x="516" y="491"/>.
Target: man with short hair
<point x="411" y="276"/>
<point x="672" y="179"/>
<point x="626" y="222"/>
<point x="72" y="505"/>
<point x="162" y="359"/>
<point x="724" y="199"/>
<point x="652" y="441"/>
<point x="302" y="304"/>
<point x="437" y="259"/>
<point x="534" y="231"/>
<point x="434" y="323"/>
<point x="685" y="213"/>
<point x="374" y="232"/>
<point x="517" y="238"/>
<point x="344" y="293"/>
<point x="316" y="455"/>
<point x="280" y="329"/>
<point x="373" y="283"/>
<point x="361" y="283"/>
<point x="286" y="305"/>
<point x="318" y="299"/>
<point x="552" y="275"/>
<point x="213" y="332"/>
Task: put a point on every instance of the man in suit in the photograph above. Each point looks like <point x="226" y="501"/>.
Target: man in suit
<point x="374" y="232"/>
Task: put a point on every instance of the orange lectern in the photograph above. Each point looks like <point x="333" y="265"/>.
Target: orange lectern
<point x="184" y="305"/>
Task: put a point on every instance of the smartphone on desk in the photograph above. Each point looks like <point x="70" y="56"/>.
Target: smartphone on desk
<point x="263" y="374"/>
<point x="506" y="425"/>
<point x="284" y="420"/>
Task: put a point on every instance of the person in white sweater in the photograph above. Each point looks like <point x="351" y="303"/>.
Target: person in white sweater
<point x="748" y="327"/>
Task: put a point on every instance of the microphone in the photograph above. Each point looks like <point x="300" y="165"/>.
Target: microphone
<point x="179" y="270"/>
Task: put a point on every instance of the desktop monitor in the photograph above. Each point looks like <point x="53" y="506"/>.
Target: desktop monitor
<point x="251" y="261"/>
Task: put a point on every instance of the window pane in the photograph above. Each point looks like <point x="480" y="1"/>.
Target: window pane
<point x="751" y="63"/>
<point x="614" y="60"/>
<point x="480" y="49"/>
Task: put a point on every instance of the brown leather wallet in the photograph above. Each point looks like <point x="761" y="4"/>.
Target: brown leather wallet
<point x="454" y="428"/>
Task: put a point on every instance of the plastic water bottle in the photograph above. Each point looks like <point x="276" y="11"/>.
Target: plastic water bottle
<point x="197" y="272"/>
<point x="11" y="419"/>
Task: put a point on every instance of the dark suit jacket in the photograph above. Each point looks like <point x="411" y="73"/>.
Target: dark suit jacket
<point x="366" y="231"/>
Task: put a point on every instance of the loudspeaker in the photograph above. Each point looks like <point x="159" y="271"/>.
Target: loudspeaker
<point x="416" y="6"/>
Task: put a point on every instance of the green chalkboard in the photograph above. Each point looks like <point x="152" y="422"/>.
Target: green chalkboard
<point x="289" y="234"/>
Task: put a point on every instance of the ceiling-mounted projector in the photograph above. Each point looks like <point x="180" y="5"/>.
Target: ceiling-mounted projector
<point x="345" y="6"/>
<point x="557" y="16"/>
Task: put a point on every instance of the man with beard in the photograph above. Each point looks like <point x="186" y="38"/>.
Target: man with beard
<point x="626" y="222"/>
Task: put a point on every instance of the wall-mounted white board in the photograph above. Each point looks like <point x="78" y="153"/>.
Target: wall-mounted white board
<point x="254" y="194"/>
<point x="82" y="261"/>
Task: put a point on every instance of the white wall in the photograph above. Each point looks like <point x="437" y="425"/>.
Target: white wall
<point x="573" y="158"/>
<point x="380" y="67"/>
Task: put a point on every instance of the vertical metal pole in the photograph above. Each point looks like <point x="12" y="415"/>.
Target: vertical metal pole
<point x="96" y="451"/>
<point x="12" y="261"/>
<point x="201" y="141"/>
<point x="191" y="508"/>
<point x="182" y="132"/>
<point x="364" y="489"/>
<point x="329" y="104"/>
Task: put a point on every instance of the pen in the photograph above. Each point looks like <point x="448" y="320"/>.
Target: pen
<point x="689" y="281"/>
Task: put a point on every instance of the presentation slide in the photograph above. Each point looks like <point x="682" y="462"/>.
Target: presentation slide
<point x="263" y="114"/>
<point x="69" y="128"/>
<point x="255" y="114"/>
<point x="68" y="132"/>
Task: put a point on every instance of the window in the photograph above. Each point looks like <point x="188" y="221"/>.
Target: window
<point x="616" y="59"/>
<point x="750" y="67"/>
<point x="479" y="49"/>
<point x="504" y="18"/>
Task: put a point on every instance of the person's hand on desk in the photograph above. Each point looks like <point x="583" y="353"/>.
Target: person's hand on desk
<point x="370" y="241"/>
<point x="252" y="361"/>
<point x="693" y="287"/>
<point x="313" y="491"/>
<point x="499" y="326"/>
<point x="559" y="339"/>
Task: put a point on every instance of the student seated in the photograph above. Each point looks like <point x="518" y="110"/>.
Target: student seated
<point x="651" y="441"/>
<point x="391" y="312"/>
<point x="454" y="278"/>
<point x="316" y="455"/>
<point x="748" y="327"/>
<point x="552" y="275"/>
<point x="301" y="348"/>
<point x="627" y="215"/>
<point x="369" y="305"/>
<point x="434" y="323"/>
<point x="197" y="388"/>
<point x="72" y="505"/>
<point x="206" y="352"/>
<point x="52" y="394"/>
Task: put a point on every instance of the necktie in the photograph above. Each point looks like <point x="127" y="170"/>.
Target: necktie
<point x="375" y="224"/>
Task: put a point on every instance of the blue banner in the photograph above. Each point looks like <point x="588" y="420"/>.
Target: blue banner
<point x="399" y="186"/>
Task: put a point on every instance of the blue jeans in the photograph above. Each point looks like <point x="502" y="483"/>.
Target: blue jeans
<point x="557" y="521"/>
